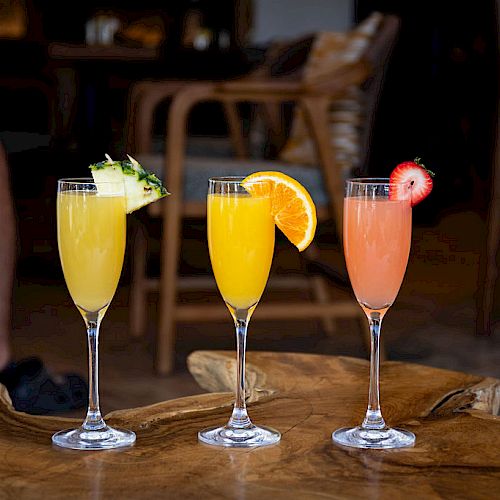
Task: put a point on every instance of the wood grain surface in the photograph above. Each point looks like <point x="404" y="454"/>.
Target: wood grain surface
<point x="455" y="417"/>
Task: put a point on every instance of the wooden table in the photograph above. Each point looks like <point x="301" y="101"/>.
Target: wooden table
<point x="454" y="416"/>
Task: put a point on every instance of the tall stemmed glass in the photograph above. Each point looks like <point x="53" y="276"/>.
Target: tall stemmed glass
<point x="241" y="244"/>
<point x="377" y="239"/>
<point x="91" y="228"/>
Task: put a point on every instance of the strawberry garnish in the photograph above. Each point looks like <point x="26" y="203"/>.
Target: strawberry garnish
<point x="413" y="174"/>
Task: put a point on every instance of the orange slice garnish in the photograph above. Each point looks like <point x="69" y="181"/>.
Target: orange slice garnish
<point x="292" y="207"/>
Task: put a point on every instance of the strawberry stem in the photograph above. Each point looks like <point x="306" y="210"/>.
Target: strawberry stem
<point x="418" y="161"/>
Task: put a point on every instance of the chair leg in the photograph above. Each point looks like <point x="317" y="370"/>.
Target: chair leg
<point x="171" y="237"/>
<point x="180" y="108"/>
<point x="171" y="208"/>
<point x="319" y="288"/>
<point x="138" y="290"/>
<point x="316" y="113"/>
<point x="320" y="293"/>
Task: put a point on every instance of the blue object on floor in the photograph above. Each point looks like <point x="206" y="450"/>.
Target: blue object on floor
<point x="33" y="390"/>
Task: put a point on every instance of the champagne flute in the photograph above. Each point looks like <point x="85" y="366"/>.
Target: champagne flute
<point x="241" y="244"/>
<point x="377" y="239"/>
<point x="91" y="229"/>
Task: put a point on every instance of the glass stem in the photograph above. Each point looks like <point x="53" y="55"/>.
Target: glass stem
<point x="240" y="419"/>
<point x="373" y="418"/>
<point x="93" y="420"/>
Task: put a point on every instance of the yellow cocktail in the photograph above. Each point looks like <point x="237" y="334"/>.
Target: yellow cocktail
<point x="241" y="243"/>
<point x="91" y="237"/>
<point x="91" y="226"/>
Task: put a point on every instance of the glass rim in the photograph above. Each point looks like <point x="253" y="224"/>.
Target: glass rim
<point x="234" y="180"/>
<point x="84" y="180"/>
<point x="381" y="181"/>
<point x="230" y="179"/>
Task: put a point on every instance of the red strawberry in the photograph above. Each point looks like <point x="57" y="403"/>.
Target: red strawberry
<point x="414" y="174"/>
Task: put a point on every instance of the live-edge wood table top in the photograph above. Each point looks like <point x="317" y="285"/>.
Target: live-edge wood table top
<point x="454" y="416"/>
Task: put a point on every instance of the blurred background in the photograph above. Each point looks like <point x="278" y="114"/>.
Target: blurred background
<point x="67" y="69"/>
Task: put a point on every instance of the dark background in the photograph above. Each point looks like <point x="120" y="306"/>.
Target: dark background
<point x="439" y="101"/>
<point x="440" y="97"/>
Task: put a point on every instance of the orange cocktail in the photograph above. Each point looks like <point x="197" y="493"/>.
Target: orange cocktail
<point x="241" y="243"/>
<point x="242" y="213"/>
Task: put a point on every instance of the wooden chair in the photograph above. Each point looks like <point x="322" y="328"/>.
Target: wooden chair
<point x="186" y="178"/>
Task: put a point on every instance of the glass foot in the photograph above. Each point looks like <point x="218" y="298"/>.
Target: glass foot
<point x="239" y="438"/>
<point x="103" y="439"/>
<point x="387" y="438"/>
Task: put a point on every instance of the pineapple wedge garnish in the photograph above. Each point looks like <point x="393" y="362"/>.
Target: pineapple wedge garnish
<point x="141" y="187"/>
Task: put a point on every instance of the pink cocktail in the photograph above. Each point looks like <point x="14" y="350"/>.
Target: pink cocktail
<point x="377" y="239"/>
